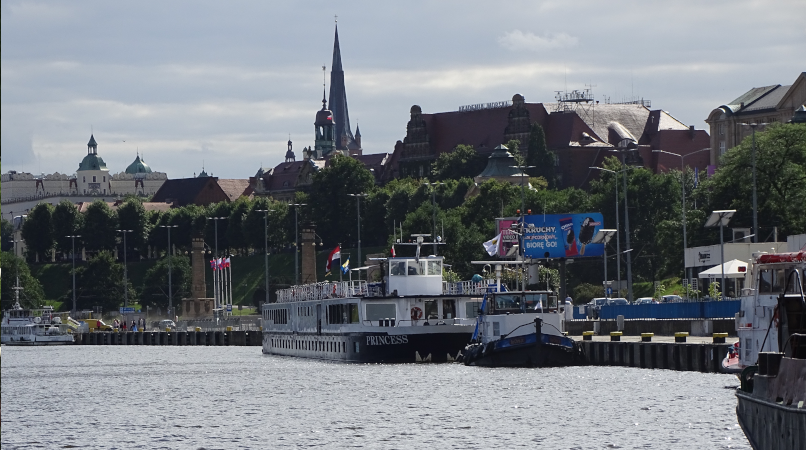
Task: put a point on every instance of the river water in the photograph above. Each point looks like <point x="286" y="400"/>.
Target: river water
<point x="235" y="397"/>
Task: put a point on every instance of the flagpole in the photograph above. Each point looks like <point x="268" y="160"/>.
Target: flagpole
<point x="229" y="265"/>
<point x="341" y="275"/>
<point x="215" y="287"/>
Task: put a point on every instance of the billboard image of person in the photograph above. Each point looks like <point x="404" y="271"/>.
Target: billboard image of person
<point x="562" y="235"/>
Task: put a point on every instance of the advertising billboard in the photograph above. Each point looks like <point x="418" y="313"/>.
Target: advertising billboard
<point x="508" y="238"/>
<point x="562" y="235"/>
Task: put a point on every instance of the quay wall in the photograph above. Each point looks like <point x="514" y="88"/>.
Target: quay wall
<point x="656" y="355"/>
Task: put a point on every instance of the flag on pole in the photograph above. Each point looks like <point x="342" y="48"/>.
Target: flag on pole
<point x="393" y="250"/>
<point x="346" y="266"/>
<point x="226" y="262"/>
<point x="335" y="255"/>
<point x="492" y="246"/>
<point x="212" y="264"/>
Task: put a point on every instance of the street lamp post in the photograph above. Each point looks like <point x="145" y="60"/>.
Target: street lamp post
<point x="296" y="239"/>
<point x="755" y="204"/>
<point x="75" y="308"/>
<point x="434" y="211"/>
<point x="125" y="269"/>
<point x="170" y="270"/>
<point x="618" y="237"/>
<point x="603" y="237"/>
<point x="626" y="145"/>
<point x="266" y="245"/>
<point x="683" y="185"/>
<point x="358" y="198"/>
<point x="720" y="219"/>
<point x="523" y="223"/>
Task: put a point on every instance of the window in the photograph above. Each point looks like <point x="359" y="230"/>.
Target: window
<point x="496" y="329"/>
<point x="431" y="309"/>
<point x="104" y="180"/>
<point x="472" y="309"/>
<point x="416" y="268"/>
<point x="765" y="281"/>
<point x="434" y="268"/>
<point x="721" y="128"/>
<point x="448" y="309"/>
<point x="342" y="313"/>
<point x="381" y="311"/>
<point x="83" y="179"/>
<point x="397" y="268"/>
<point x="94" y="179"/>
<point x="721" y="147"/>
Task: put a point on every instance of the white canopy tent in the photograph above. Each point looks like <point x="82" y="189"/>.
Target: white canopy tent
<point x="733" y="269"/>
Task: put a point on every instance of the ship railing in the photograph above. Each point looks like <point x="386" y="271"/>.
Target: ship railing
<point x="392" y="322"/>
<point x="465" y="287"/>
<point x="322" y="291"/>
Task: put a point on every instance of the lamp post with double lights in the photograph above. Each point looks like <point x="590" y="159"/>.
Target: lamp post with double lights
<point x="603" y="236"/>
<point x="618" y="237"/>
<point x="625" y="146"/>
<point x="266" y="244"/>
<point x="720" y="219"/>
<point x="296" y="239"/>
<point x="753" y="126"/>
<point x="125" y="269"/>
<point x="683" y="185"/>
<point x="73" y="238"/>
<point x="170" y="270"/>
<point x="433" y="211"/>
<point x="358" y="198"/>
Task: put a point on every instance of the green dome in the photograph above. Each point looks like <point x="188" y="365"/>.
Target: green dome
<point x="92" y="162"/>
<point x="138" y="166"/>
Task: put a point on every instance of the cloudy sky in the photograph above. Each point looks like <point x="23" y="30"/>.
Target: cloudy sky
<point x="223" y="84"/>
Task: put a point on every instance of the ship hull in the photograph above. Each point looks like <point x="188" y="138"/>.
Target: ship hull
<point x="524" y="351"/>
<point x="769" y="425"/>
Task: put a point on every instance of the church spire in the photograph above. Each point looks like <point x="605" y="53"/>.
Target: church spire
<point x="338" y="100"/>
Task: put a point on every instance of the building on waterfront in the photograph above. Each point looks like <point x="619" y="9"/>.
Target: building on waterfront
<point x="92" y="179"/>
<point x="201" y="190"/>
<point x="760" y="105"/>
<point x="580" y="131"/>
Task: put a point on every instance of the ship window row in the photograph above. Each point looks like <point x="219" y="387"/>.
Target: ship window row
<point x="279" y="316"/>
<point x="310" y="345"/>
<point x="304" y="311"/>
<point x="342" y="313"/>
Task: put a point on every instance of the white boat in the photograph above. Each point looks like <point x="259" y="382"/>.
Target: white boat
<point x="22" y="326"/>
<point x="758" y="319"/>
<point x="411" y="316"/>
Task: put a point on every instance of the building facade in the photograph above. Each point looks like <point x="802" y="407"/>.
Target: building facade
<point x="729" y="123"/>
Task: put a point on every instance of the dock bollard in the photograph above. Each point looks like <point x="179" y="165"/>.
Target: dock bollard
<point x="680" y="336"/>
<point x="719" y="338"/>
<point x="587" y="335"/>
<point x="647" y="337"/>
<point x="198" y="329"/>
<point x="615" y="336"/>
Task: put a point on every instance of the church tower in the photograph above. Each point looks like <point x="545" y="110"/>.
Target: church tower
<point x="289" y="155"/>
<point x="338" y="104"/>
<point x="325" y="144"/>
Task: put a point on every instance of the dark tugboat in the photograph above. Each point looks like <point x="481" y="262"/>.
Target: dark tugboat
<point x="772" y="395"/>
<point x="520" y="329"/>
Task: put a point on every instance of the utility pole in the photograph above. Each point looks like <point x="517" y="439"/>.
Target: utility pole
<point x="358" y="198"/>
<point x="266" y="246"/>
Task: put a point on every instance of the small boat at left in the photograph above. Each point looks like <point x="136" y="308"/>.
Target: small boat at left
<point x="22" y="326"/>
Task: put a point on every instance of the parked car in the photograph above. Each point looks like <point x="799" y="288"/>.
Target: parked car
<point x="167" y="323"/>
<point x="617" y="302"/>
<point x="671" y="299"/>
<point x="645" y="301"/>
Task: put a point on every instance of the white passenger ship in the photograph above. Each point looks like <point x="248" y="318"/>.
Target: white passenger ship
<point x="23" y="326"/>
<point x="412" y="316"/>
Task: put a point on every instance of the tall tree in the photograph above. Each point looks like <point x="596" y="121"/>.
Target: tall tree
<point x="7" y="236"/>
<point x="100" y="283"/>
<point x="235" y="230"/>
<point x="331" y="206"/>
<point x="538" y="155"/>
<point x="37" y="231"/>
<point x="67" y="221"/>
<point x="31" y="295"/>
<point x="780" y="181"/>
<point x="132" y="216"/>
<point x="154" y="291"/>
<point x="463" y="161"/>
<point x="98" y="232"/>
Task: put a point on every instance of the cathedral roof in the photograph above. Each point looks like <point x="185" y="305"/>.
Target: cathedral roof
<point x="337" y="102"/>
<point x="501" y="164"/>
<point x="138" y="166"/>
